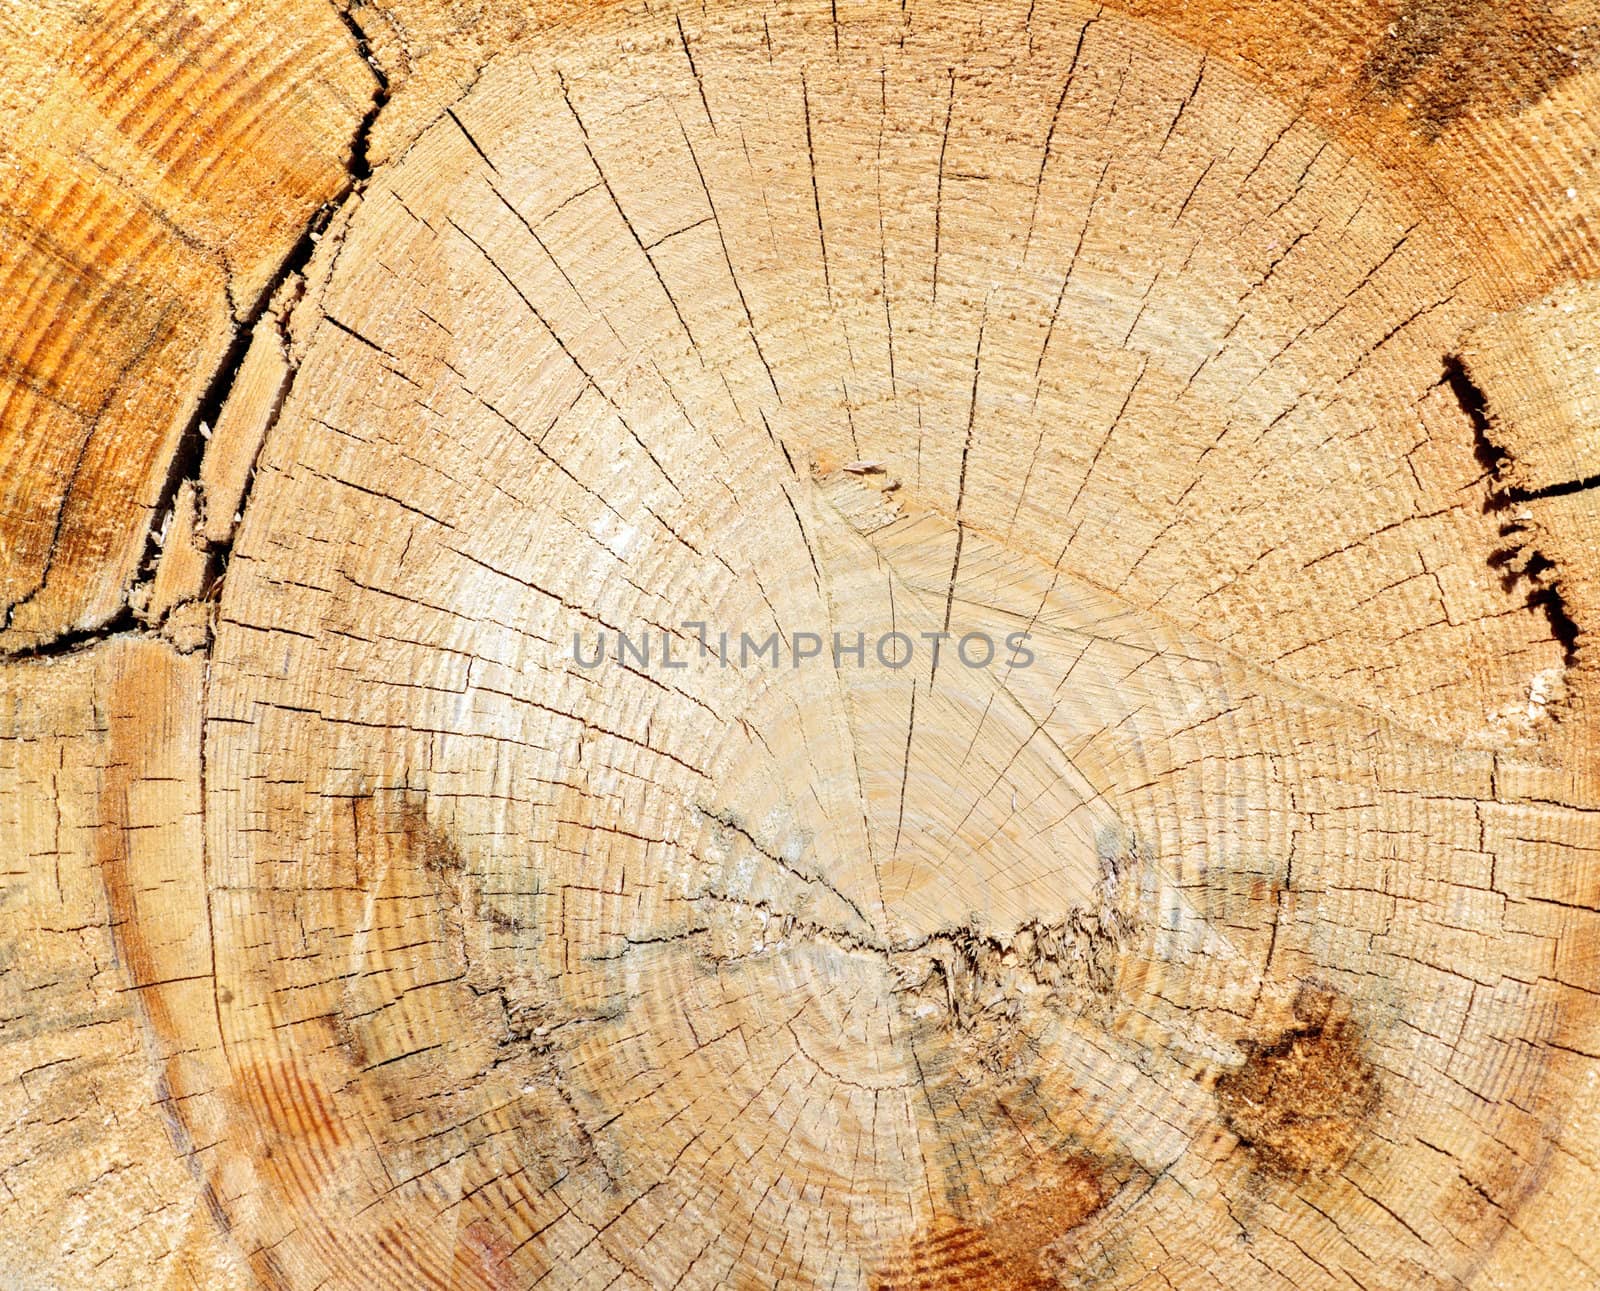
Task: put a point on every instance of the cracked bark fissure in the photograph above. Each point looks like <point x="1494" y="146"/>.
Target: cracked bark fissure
<point x="1243" y="935"/>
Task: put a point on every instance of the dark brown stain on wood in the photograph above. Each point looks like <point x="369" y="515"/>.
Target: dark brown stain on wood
<point x="1006" y="1249"/>
<point x="1443" y="60"/>
<point x="1302" y="1100"/>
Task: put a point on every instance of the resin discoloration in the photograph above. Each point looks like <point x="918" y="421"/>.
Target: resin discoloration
<point x="1007" y="1250"/>
<point x="1443" y="60"/>
<point x="1301" y="1101"/>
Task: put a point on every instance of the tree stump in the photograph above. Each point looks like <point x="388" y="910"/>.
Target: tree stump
<point x="842" y="645"/>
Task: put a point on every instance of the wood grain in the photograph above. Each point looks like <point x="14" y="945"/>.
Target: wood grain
<point x="362" y="935"/>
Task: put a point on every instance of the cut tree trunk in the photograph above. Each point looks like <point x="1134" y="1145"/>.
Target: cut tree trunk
<point x="1199" y="402"/>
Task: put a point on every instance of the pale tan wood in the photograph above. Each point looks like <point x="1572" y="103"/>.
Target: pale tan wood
<point x="1540" y="368"/>
<point x="106" y="943"/>
<point x="1247" y="938"/>
<point x="230" y="455"/>
<point x="181" y="570"/>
